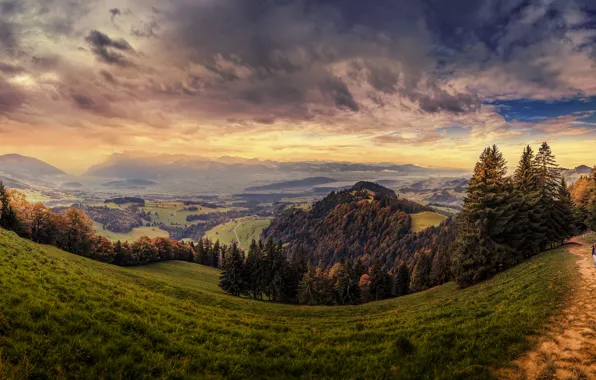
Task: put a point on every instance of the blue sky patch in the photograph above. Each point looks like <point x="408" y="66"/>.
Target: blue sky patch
<point x="538" y="110"/>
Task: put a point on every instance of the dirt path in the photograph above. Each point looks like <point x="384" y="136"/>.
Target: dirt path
<point x="568" y="350"/>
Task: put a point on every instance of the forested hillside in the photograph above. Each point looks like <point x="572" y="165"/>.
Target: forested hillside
<point x="364" y="222"/>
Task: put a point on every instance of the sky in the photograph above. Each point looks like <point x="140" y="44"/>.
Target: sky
<point x="425" y="82"/>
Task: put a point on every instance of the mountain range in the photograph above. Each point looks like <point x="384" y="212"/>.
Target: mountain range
<point x="146" y="166"/>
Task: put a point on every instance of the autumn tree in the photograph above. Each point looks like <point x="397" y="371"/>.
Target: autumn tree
<point x="78" y="232"/>
<point x="8" y="217"/>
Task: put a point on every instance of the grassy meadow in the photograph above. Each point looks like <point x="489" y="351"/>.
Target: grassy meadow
<point x="65" y="316"/>
<point x="426" y="219"/>
<point x="173" y="213"/>
<point x="131" y="236"/>
<point x="247" y="228"/>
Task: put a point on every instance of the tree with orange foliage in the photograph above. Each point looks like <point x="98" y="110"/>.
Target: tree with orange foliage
<point x="8" y="216"/>
<point x="78" y="234"/>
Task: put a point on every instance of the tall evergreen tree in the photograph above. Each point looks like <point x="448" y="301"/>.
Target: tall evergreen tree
<point x="215" y="254"/>
<point x="380" y="281"/>
<point x="564" y="211"/>
<point x="548" y="177"/>
<point x="307" y="290"/>
<point x="531" y="214"/>
<point x="483" y="247"/>
<point x="402" y="281"/>
<point x="203" y="257"/>
<point x="231" y="277"/>
<point x="119" y="255"/>
<point x="421" y="273"/>
<point x="254" y="270"/>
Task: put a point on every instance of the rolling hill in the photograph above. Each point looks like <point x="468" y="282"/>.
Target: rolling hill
<point x="65" y="316"/>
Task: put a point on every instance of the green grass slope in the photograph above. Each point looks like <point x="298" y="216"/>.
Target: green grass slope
<point x="423" y="220"/>
<point x="64" y="316"/>
<point x="246" y="229"/>
<point x="135" y="234"/>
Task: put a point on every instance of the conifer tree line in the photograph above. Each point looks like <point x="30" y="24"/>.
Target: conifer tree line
<point x="265" y="272"/>
<point x="507" y="219"/>
<point x="73" y="231"/>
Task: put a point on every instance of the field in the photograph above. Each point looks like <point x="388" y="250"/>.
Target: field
<point x="426" y="219"/>
<point x="133" y="235"/>
<point x="64" y="316"/>
<point x="173" y="213"/>
<point x="241" y="229"/>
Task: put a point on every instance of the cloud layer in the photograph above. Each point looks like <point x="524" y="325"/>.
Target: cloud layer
<point x="383" y="75"/>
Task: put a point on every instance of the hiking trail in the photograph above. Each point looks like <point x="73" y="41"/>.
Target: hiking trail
<point x="568" y="348"/>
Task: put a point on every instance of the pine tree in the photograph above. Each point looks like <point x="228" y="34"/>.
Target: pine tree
<point x="293" y="273"/>
<point x="276" y="269"/>
<point x="307" y="290"/>
<point x="353" y="291"/>
<point x="530" y="219"/>
<point x="254" y="270"/>
<point x="440" y="271"/>
<point x="548" y="181"/>
<point x="482" y="247"/>
<point x="202" y="254"/>
<point x="119" y="255"/>
<point x="421" y="273"/>
<point x="215" y="254"/>
<point x="230" y="279"/>
<point x="380" y="281"/>
<point x="565" y="212"/>
<point x="402" y="281"/>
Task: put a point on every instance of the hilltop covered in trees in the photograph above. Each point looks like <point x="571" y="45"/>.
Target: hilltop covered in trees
<point x="364" y="222"/>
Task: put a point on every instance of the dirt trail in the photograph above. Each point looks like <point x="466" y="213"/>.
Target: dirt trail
<point x="568" y="350"/>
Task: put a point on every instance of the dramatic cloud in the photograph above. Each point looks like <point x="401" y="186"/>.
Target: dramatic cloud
<point x="108" y="50"/>
<point x="325" y="74"/>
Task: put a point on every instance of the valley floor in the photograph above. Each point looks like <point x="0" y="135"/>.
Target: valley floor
<point x="64" y="316"/>
<point x="568" y="349"/>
